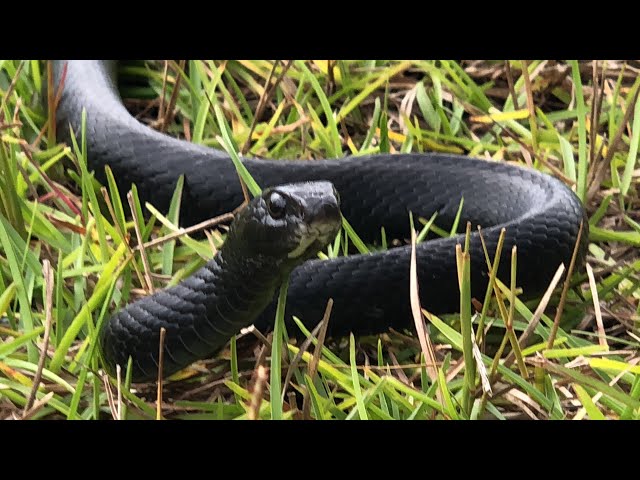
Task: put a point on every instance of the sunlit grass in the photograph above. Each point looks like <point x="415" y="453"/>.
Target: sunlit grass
<point x="51" y="208"/>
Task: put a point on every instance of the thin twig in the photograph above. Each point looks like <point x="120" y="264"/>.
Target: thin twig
<point x="512" y="89"/>
<point x="185" y="231"/>
<point x="601" y="168"/>
<point x="47" y="273"/>
<point x="315" y="359"/>
<point x="565" y="289"/>
<point x="9" y="91"/>
<point x="174" y="97"/>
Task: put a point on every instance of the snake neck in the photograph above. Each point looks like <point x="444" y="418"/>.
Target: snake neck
<point x="241" y="288"/>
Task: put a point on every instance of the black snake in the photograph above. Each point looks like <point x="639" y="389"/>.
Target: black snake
<point x="370" y="291"/>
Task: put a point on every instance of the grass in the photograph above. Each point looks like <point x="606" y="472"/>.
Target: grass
<point x="574" y="354"/>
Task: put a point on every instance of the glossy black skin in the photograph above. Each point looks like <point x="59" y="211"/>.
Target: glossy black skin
<point x="203" y="311"/>
<point x="370" y="292"/>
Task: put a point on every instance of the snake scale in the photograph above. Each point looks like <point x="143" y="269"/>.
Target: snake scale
<point x="370" y="291"/>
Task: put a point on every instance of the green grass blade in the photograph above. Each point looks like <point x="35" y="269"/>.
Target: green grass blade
<point x="632" y="157"/>
<point x="362" y="411"/>
<point x="19" y="281"/>
<point x="276" y="354"/>
<point x="567" y="157"/>
<point x="232" y="150"/>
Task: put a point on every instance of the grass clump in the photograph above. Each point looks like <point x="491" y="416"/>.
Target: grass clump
<point x="69" y="257"/>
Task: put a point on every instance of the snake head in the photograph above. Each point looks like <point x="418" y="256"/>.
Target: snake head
<point x="288" y="223"/>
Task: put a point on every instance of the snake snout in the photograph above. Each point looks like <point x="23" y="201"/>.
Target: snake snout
<point x="322" y="210"/>
<point x="325" y="212"/>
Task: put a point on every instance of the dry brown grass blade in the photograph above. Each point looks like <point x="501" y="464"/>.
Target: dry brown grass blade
<point x="163" y="332"/>
<point x="530" y="105"/>
<point x="524" y="403"/>
<point x="303" y="348"/>
<point x="8" y="126"/>
<point x="269" y="90"/>
<point x="493" y="271"/>
<point x="52" y="104"/>
<point x="165" y="72"/>
<point x="565" y="289"/>
<point x="315" y="359"/>
<point x="37" y="406"/>
<point x="398" y="368"/>
<point x="602" y="339"/>
<point x="510" y="82"/>
<point x="50" y="125"/>
<point x="601" y="168"/>
<point x="26" y="149"/>
<point x="119" y="392"/>
<point x="256" y="395"/>
<point x="47" y="273"/>
<point x="143" y="252"/>
<point x="10" y="89"/>
<point x="211" y="242"/>
<point x="527" y="150"/>
<point x="515" y="345"/>
<point x="482" y="369"/>
<point x="416" y="311"/>
<point x="113" y="408"/>
<point x="266" y="94"/>
<point x="537" y="315"/>
<point x="594" y="113"/>
<point x="174" y="97"/>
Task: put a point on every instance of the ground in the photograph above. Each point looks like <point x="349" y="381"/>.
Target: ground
<point x="64" y="263"/>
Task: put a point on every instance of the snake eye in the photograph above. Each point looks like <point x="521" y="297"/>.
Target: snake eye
<point x="276" y="204"/>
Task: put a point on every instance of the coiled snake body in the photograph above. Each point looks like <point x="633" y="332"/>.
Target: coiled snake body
<point x="370" y="292"/>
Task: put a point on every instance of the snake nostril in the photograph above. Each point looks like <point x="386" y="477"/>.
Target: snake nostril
<point x="330" y="211"/>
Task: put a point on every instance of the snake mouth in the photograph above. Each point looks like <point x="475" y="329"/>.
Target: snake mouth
<point x="320" y="221"/>
<point x="302" y="247"/>
<point x="314" y="238"/>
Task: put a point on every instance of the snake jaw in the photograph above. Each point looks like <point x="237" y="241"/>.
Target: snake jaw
<point x="305" y="241"/>
<point x="316" y="235"/>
